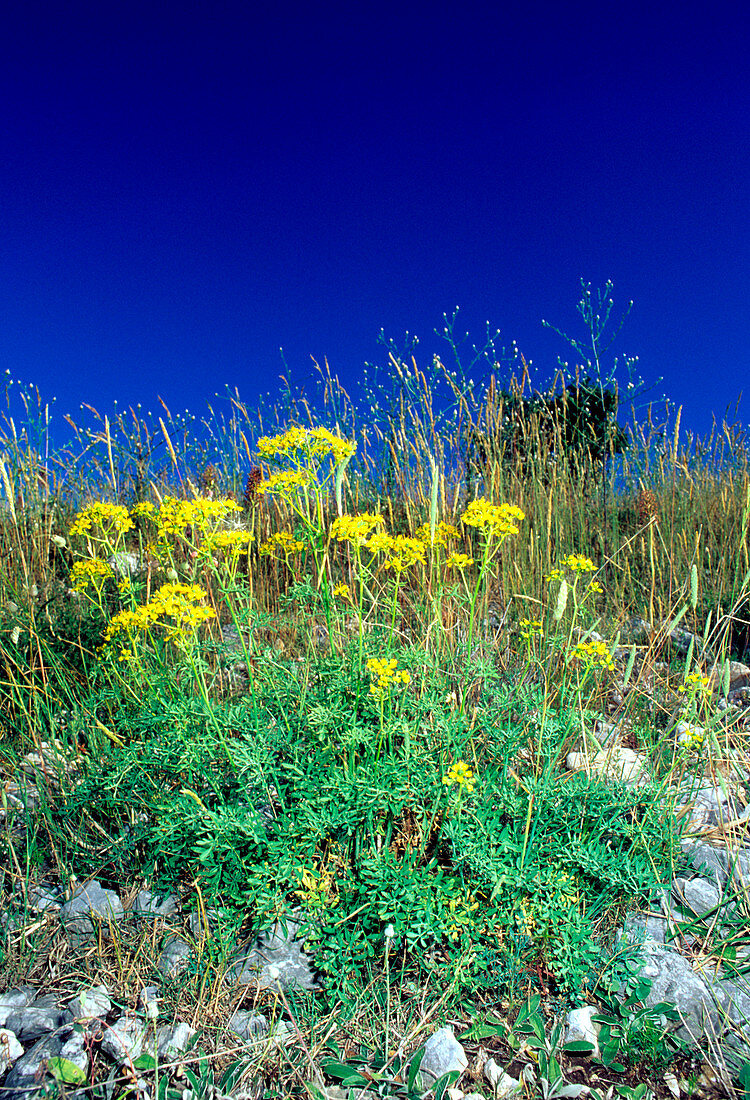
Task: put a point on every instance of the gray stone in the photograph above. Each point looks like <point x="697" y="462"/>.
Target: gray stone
<point x="45" y="898"/>
<point x="645" y="928"/>
<point x="636" y="632"/>
<point x="123" y="1041"/>
<point x="26" y="1080"/>
<point x="680" y="640"/>
<point x="149" y="995"/>
<point x="580" y="1028"/>
<point x="10" y="1049"/>
<point x="197" y="924"/>
<point x="124" y="563"/>
<point x="19" y="997"/>
<point x="442" y="1054"/>
<point x="172" y="1041"/>
<point x="703" y="857"/>
<point x="710" y="805"/>
<point x="91" y="1004"/>
<point x="719" y="862"/>
<point x="737" y="994"/>
<point x="147" y="906"/>
<point x="249" y="1026"/>
<point x="33" y="1021"/>
<point x="276" y="957"/>
<point x="739" y="676"/>
<point x="696" y="894"/>
<point x="174" y="956"/>
<point x="673" y="980"/>
<point x="89" y="907"/>
<point x="502" y="1084"/>
<point x="74" y="1049"/>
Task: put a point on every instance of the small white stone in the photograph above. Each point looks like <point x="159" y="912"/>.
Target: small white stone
<point x="581" y="1028"/>
<point x="10" y="1049"/>
<point x="502" y="1083"/>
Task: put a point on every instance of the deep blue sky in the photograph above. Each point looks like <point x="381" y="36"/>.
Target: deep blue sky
<point x="184" y="190"/>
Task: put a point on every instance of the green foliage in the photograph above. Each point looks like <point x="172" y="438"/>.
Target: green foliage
<point x="372" y="740"/>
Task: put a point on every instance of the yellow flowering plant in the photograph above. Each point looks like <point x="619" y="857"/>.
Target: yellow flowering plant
<point x="356" y="531"/>
<point x="494" y="523"/>
<point x="386" y="678"/>
<point x="315" y="459"/>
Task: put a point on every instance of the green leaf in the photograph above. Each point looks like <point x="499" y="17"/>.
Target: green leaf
<point x="66" y="1071"/>
<point x="579" y="1046"/>
<point x="414" y="1065"/>
<point x="485" y="1031"/>
<point x="313" y="1090"/>
<point x="144" y="1061"/>
<point x="445" y="1083"/>
<point x="346" y="1074"/>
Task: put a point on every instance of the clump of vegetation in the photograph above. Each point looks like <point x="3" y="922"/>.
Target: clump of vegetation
<point x="330" y="674"/>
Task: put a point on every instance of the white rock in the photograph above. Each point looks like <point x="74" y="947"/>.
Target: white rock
<point x="672" y="1084"/>
<point x="617" y="763"/>
<point x="10" y="1049"/>
<point x="502" y="1083"/>
<point x="91" y="1004"/>
<point x="124" y="1040"/>
<point x="442" y="1054"/>
<point x="581" y="1028"/>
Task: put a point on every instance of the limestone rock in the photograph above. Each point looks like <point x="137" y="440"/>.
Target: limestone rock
<point x="123" y="1041"/>
<point x="90" y="906"/>
<point x="442" y="1054"/>
<point x="10" y="1049"/>
<point x="91" y="1004"/>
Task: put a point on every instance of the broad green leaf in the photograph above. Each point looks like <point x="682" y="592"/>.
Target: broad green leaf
<point x="66" y="1071"/>
<point x="445" y="1083"/>
<point x="579" y="1046"/>
<point x="414" y="1065"/>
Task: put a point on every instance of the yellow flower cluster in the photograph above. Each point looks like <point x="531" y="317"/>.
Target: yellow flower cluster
<point x="233" y="541"/>
<point x="461" y="912"/>
<point x="443" y="532"/>
<point x="355" y="529"/>
<point x="93" y="572"/>
<point x="343" y="591"/>
<point x="176" y="604"/>
<point x="529" y="628"/>
<point x="695" y="684"/>
<point x="312" y="443"/>
<point x="462" y="775"/>
<point x="458" y="561"/>
<point x="404" y="552"/>
<point x="692" y="738"/>
<point x="577" y="563"/>
<point x="175" y="516"/>
<point x="287" y="483"/>
<point x="280" y="544"/>
<point x="495" y="520"/>
<point x="378" y="542"/>
<point x="111" y="519"/>
<point x="593" y="654"/>
<point x="386" y="675"/>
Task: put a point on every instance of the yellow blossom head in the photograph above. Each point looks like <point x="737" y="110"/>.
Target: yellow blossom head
<point x="493" y="520"/>
<point x="460" y="775"/>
